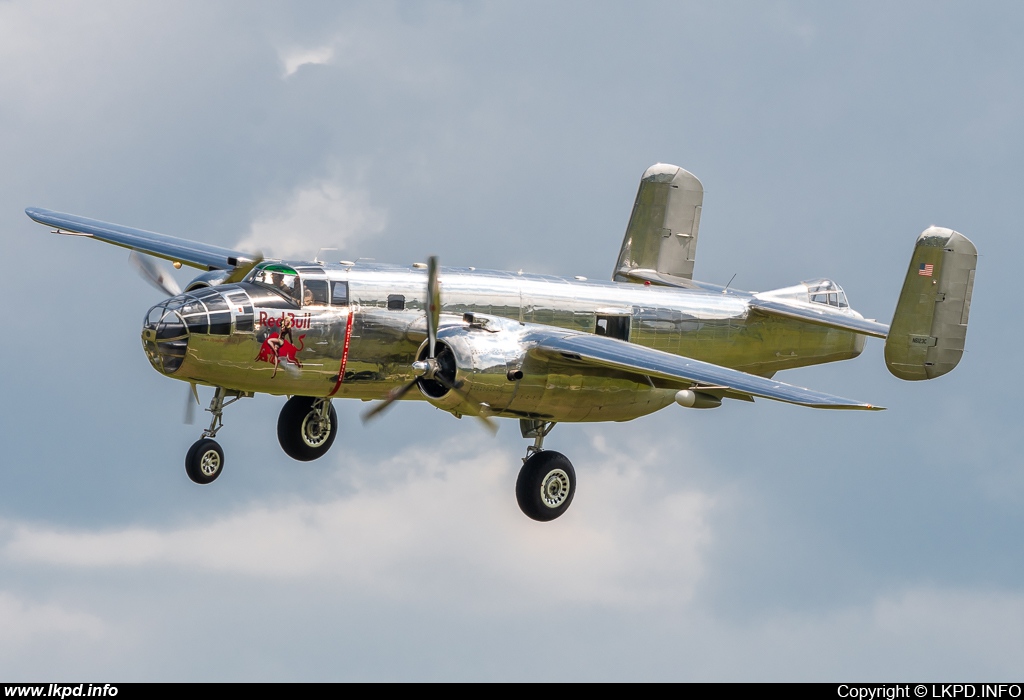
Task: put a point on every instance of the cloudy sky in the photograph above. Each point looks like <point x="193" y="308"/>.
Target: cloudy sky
<point x="755" y="541"/>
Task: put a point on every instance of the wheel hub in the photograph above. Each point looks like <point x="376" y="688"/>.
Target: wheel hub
<point x="315" y="430"/>
<point x="554" y="488"/>
<point x="210" y="463"/>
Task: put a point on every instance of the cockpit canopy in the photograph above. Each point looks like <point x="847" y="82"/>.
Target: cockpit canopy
<point x="280" y="278"/>
<point x="306" y="286"/>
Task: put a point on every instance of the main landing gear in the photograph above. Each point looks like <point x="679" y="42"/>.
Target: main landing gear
<point x="307" y="427"/>
<point x="547" y="481"/>
<point x="205" y="459"/>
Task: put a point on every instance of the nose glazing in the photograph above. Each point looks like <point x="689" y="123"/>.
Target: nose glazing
<point x="165" y="336"/>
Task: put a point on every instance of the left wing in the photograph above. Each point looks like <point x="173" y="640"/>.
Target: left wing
<point x="201" y="255"/>
<point x="602" y="351"/>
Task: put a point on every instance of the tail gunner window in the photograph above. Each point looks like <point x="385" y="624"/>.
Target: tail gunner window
<point x="826" y="292"/>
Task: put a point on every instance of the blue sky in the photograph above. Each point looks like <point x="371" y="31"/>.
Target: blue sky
<point x="750" y="542"/>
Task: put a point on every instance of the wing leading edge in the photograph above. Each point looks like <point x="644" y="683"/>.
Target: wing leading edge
<point x="611" y="353"/>
<point x="200" y="255"/>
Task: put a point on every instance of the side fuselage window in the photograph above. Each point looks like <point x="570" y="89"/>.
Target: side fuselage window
<point x="314" y="293"/>
<point x="613" y="326"/>
<point x="396" y="302"/>
<point x="339" y="293"/>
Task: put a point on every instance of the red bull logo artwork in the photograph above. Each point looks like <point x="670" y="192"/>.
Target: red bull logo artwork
<point x="297" y="322"/>
<point x="279" y="345"/>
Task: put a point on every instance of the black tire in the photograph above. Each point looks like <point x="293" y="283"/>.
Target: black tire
<point x="546" y="485"/>
<point x="204" y="461"/>
<point x="302" y="435"/>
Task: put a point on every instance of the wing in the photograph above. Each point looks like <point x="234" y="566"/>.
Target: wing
<point x="821" y="315"/>
<point x="602" y="351"/>
<point x="201" y="255"/>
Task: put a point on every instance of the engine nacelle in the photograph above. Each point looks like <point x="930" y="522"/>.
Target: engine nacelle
<point x="482" y="360"/>
<point x="208" y="279"/>
<point x="491" y="361"/>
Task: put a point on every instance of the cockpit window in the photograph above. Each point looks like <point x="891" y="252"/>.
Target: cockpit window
<point x="826" y="292"/>
<point x="280" y="278"/>
<point x="315" y="293"/>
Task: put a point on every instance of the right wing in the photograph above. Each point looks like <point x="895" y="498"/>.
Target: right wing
<point x="200" y="255"/>
<point x="614" y="354"/>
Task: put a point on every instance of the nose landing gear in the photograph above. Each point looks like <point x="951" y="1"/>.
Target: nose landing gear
<point x="204" y="461"/>
<point x="547" y="481"/>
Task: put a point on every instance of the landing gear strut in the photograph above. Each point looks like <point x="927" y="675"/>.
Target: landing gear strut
<point x="205" y="459"/>
<point x="547" y="481"/>
<point x="307" y="427"/>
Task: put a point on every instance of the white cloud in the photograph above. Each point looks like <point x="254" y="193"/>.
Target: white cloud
<point x="25" y="623"/>
<point x="295" y="58"/>
<point x="405" y="540"/>
<point x="920" y="631"/>
<point x="319" y="214"/>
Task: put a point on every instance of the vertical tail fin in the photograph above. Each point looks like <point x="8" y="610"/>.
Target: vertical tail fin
<point x="926" y="337"/>
<point x="662" y="232"/>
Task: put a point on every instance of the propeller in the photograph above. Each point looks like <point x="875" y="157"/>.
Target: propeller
<point x="429" y="369"/>
<point x="190" y="405"/>
<point x="153" y="274"/>
<point x="160" y="279"/>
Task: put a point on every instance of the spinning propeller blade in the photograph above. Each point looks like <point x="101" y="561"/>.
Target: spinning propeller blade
<point x="152" y="273"/>
<point x="190" y="405"/>
<point x="433" y="306"/>
<point x="480" y="410"/>
<point x="393" y="395"/>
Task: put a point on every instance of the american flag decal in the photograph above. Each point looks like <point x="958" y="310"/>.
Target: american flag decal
<point x="926" y="269"/>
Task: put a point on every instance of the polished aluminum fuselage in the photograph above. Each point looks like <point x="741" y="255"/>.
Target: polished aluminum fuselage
<point x="364" y="350"/>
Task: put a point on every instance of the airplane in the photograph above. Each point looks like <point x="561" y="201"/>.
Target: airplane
<point x="540" y="349"/>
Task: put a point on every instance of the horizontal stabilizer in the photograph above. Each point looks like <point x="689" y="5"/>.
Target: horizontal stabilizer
<point x="611" y="353"/>
<point x="662" y="279"/>
<point x="926" y="338"/>
<point x="201" y="255"/>
<point x="819" y="314"/>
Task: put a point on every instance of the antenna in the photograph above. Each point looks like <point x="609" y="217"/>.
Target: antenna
<point x="316" y="258"/>
<point x="726" y="289"/>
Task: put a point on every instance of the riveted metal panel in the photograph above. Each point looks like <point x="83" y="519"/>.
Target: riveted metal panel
<point x="929" y="327"/>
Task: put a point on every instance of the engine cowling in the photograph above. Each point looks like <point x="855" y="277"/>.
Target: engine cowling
<point x="208" y="279"/>
<point x="481" y="363"/>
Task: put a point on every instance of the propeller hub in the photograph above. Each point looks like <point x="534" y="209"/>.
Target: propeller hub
<point x="427" y="368"/>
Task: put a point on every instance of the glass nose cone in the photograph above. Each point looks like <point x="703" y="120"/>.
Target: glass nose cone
<point x="165" y="336"/>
